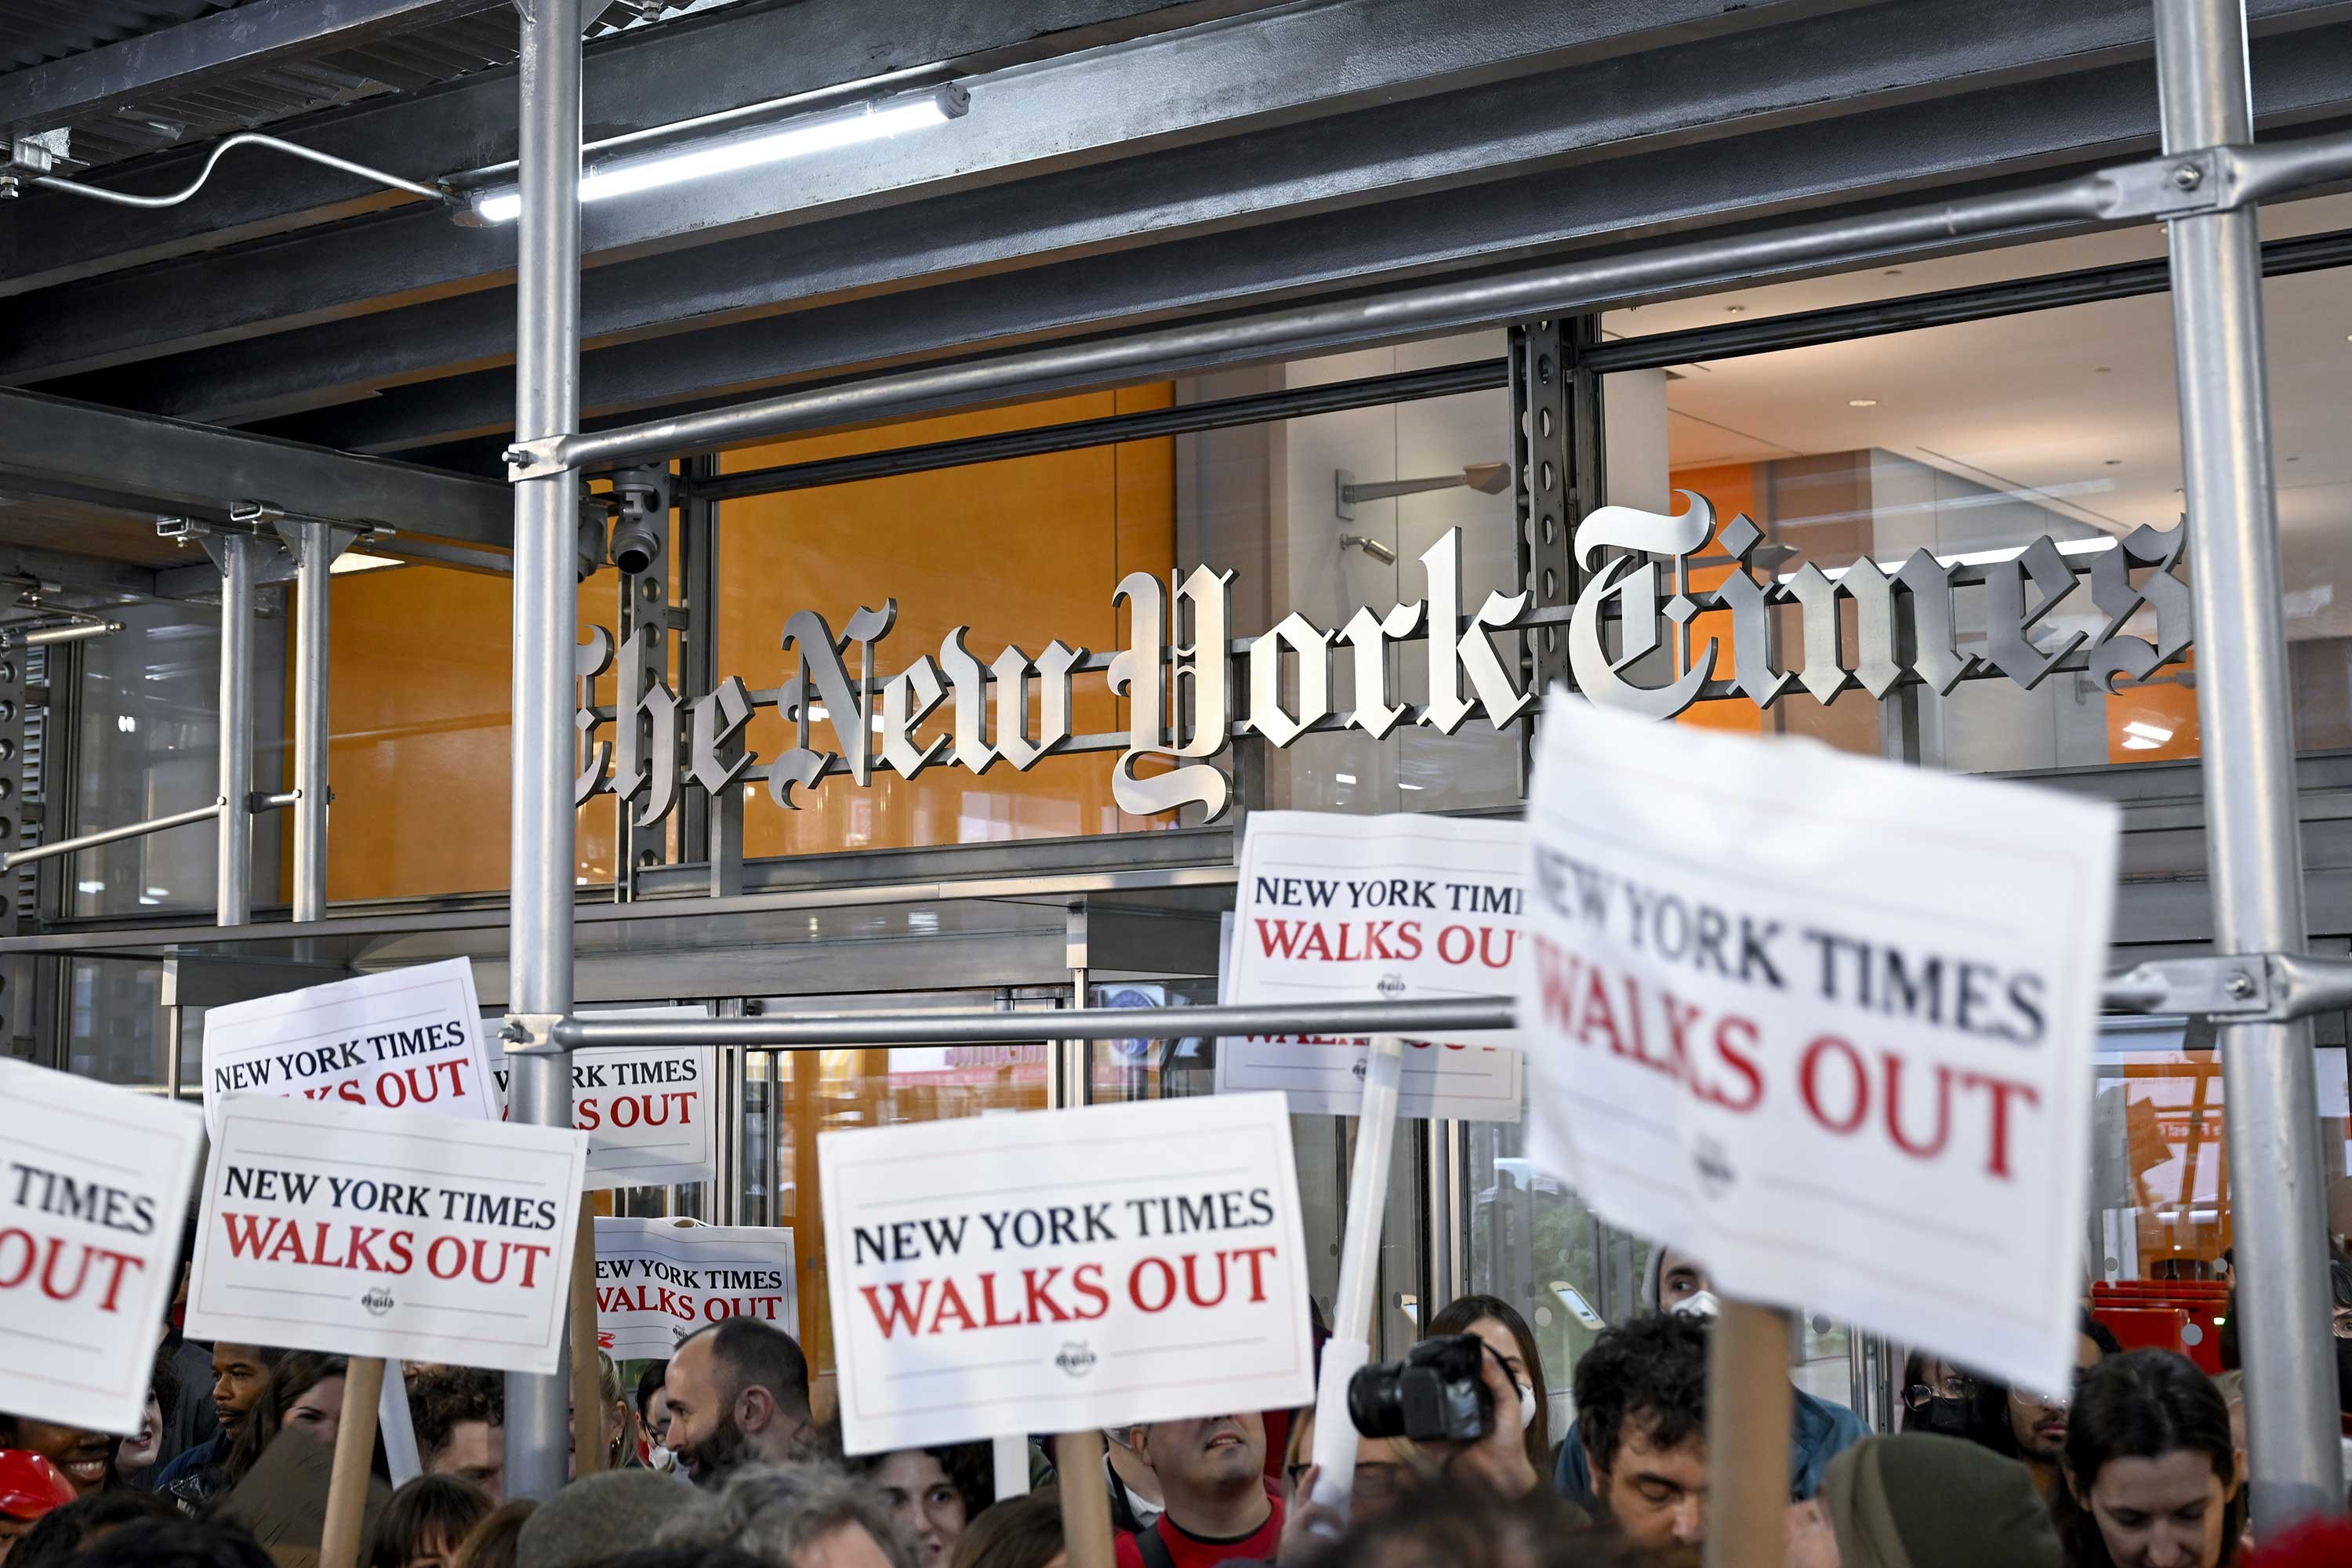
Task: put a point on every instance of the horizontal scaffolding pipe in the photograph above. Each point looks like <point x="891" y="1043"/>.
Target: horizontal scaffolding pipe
<point x="1409" y="1019"/>
<point x="2102" y="196"/>
<point x="135" y="830"/>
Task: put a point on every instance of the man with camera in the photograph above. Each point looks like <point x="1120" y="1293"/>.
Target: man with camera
<point x="1212" y="1475"/>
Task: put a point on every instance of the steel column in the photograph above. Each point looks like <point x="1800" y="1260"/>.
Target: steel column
<point x="546" y="521"/>
<point x="2247" y="740"/>
<point x="233" y="871"/>
<point x="315" y="558"/>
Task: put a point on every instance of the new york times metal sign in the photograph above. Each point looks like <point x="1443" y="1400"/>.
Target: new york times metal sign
<point x="1190" y="689"/>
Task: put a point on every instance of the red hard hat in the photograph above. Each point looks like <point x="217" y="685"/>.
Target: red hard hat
<point x="30" y="1486"/>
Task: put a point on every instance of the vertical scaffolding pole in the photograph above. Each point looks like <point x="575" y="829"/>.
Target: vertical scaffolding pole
<point x="314" y="556"/>
<point x="547" y="519"/>
<point x="2251" y="840"/>
<point x="233" y="869"/>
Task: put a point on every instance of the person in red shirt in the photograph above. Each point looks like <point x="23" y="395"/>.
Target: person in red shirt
<point x="1212" y="1473"/>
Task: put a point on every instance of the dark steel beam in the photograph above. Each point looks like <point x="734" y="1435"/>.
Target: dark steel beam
<point x="635" y="80"/>
<point x="141" y="463"/>
<point x="195" y="55"/>
<point x="2019" y="131"/>
<point x="1194" y="90"/>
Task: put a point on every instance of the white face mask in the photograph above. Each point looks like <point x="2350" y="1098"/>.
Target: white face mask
<point x="1526" y="1408"/>
<point x="1701" y="1305"/>
<point x="661" y="1458"/>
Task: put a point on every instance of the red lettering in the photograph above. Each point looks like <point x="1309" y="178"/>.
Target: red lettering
<point x="587" y="1115"/>
<point x="626" y="1111"/>
<point x="432" y="1255"/>
<point x="1278" y="939"/>
<point x="897" y="1314"/>
<point x="1168" y="1281"/>
<point x="246" y="1235"/>
<point x="1487" y="954"/>
<point x="1087" y="1281"/>
<point x="1597" y="1010"/>
<point x="1557" y="972"/>
<point x="1316" y="944"/>
<point x="1043" y="1308"/>
<point x="988" y="1305"/>
<point x="1738" y="1062"/>
<point x="1192" y="1283"/>
<point x="1997" y="1162"/>
<point x="950" y="1297"/>
<point x="1452" y="952"/>
<point x="1409" y="933"/>
<point x="1256" y="1258"/>
<point x="1933" y="1146"/>
<point x="114" y="1286"/>
<point x="1807" y="1072"/>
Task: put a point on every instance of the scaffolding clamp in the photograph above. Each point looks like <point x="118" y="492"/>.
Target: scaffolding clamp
<point x="532" y="1035"/>
<point x="2250" y="987"/>
<point x="536" y="459"/>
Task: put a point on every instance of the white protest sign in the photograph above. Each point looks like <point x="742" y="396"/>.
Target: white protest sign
<point x="336" y="1227"/>
<point x="1826" y="1021"/>
<point x="648" y="1109"/>
<point x="1324" y="1074"/>
<point x="657" y="1281"/>
<point x="405" y="1038"/>
<point x="1062" y="1270"/>
<point x="93" y="1185"/>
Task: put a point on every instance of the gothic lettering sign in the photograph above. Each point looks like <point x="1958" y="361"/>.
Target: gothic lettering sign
<point x="1191" y="688"/>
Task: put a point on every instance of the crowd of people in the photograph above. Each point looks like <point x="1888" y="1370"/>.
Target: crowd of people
<point x="720" y="1459"/>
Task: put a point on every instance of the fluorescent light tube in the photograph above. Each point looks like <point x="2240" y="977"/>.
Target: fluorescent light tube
<point x="702" y="159"/>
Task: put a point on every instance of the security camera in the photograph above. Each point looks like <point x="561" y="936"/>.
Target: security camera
<point x="642" y="529"/>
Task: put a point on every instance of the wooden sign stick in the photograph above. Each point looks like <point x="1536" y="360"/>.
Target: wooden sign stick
<point x="1086" y="1501"/>
<point x="588" y="1445"/>
<point x="1749" y="1401"/>
<point x="346" y="1487"/>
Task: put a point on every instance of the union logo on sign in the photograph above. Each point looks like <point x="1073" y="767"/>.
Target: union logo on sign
<point x="1391" y="985"/>
<point x="1074" y="1359"/>
<point x="378" y="1301"/>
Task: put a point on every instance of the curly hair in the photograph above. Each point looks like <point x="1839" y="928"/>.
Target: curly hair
<point x="971" y="1469"/>
<point x="775" y="1512"/>
<point x="442" y="1398"/>
<point x="1651" y="1370"/>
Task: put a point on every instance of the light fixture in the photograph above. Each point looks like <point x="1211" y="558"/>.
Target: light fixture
<point x="349" y="561"/>
<point x="1487" y="478"/>
<point x="1372" y="547"/>
<point x="700" y="159"/>
<point x="2140" y="737"/>
<point x="1862" y="403"/>
<point x="1345" y="778"/>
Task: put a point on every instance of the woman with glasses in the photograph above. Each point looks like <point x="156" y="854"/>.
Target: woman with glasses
<point x="1938" y="1397"/>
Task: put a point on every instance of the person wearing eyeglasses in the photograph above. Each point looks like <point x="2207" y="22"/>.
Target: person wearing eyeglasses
<point x="1386" y="1470"/>
<point x="1938" y="1397"/>
<point x="2030" y="1426"/>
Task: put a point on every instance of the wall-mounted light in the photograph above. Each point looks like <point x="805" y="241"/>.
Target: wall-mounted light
<point x="741" y="148"/>
<point x="1372" y="547"/>
<point x="1487" y="478"/>
<point x="43" y="637"/>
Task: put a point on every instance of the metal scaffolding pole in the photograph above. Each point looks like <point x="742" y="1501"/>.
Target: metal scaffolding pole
<point x="314" y="559"/>
<point x="233" y="871"/>
<point x="547" y="519"/>
<point x="2243" y="709"/>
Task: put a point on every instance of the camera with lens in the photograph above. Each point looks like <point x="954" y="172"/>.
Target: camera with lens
<point x="1437" y="1394"/>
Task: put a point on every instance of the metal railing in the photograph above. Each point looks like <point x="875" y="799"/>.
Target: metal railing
<point x="81" y="841"/>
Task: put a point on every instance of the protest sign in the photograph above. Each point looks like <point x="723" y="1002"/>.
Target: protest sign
<point x="338" y="1227"/>
<point x="405" y="1038"/>
<point x="1061" y="1269"/>
<point x="93" y="1183"/>
<point x="1827" y="1022"/>
<point x="1332" y="908"/>
<point x="658" y="1280"/>
<point x="648" y="1109"/>
<point x="1324" y="1074"/>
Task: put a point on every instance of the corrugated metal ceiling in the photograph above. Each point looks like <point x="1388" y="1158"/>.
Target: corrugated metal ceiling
<point x="32" y="32"/>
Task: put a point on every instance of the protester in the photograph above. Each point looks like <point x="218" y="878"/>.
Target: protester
<point x="1937" y="1397"/>
<point x="304" y="1391"/>
<point x="492" y="1543"/>
<point x="653" y="1416"/>
<point x="2019" y="1423"/>
<point x="1019" y="1532"/>
<point x="619" y="1438"/>
<point x="2151" y="1475"/>
<point x="85" y="1457"/>
<point x="176" y="1543"/>
<point x="424" y="1522"/>
<point x="240" y="1377"/>
<point x="802" y="1515"/>
<point x="190" y="1418"/>
<point x="1386" y="1469"/>
<point x="1819" y="1431"/>
<point x="61" y="1533"/>
<point x="598" y="1516"/>
<point x="1640" y="1419"/>
<point x="1212" y="1473"/>
<point x="1135" y="1500"/>
<point x="739" y="1393"/>
<point x="1921" y="1501"/>
<point x="30" y="1487"/>
<point x="933" y="1493"/>
<point x="460" y="1417"/>
<point x="137" y="1457"/>
<point x="1500" y="1325"/>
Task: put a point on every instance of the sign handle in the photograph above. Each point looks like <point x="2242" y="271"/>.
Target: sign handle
<point x="587" y="1387"/>
<point x="1086" y="1501"/>
<point x="1749" y="1405"/>
<point x="1011" y="1456"/>
<point x="347" y="1485"/>
<point x="398" y="1427"/>
<point x="1350" y="1346"/>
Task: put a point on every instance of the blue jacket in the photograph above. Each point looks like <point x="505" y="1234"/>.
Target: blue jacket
<point x="213" y="1450"/>
<point x="1818" y="1433"/>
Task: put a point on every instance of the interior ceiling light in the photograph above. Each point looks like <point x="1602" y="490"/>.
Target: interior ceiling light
<point x="703" y="158"/>
<point x="351" y="561"/>
<point x="1862" y="403"/>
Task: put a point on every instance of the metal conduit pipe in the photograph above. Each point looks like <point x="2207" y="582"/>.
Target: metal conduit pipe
<point x="547" y="518"/>
<point x="313" y="601"/>
<point x="233" y="871"/>
<point x="2104" y="195"/>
